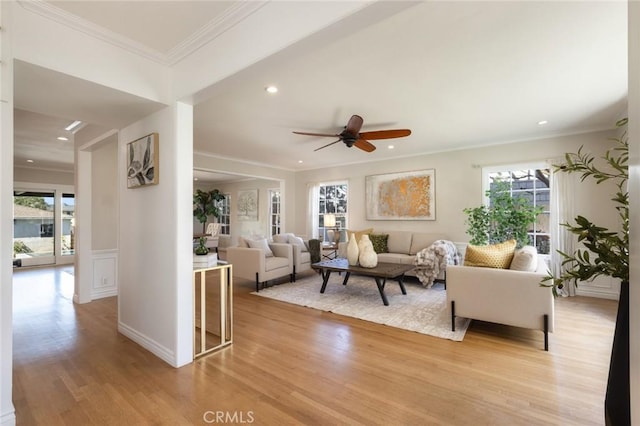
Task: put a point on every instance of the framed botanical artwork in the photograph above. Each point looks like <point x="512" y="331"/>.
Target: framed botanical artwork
<point x="248" y="205"/>
<point x="401" y="196"/>
<point x="142" y="161"/>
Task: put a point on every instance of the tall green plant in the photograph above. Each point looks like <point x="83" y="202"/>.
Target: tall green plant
<point x="205" y="204"/>
<point x="507" y="217"/>
<point x="605" y="252"/>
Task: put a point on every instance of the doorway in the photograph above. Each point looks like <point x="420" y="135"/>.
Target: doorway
<point x="43" y="227"/>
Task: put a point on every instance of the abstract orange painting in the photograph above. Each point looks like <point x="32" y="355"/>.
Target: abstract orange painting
<point x="401" y="196"/>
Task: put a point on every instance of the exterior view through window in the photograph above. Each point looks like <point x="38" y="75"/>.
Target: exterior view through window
<point x="533" y="185"/>
<point x="41" y="230"/>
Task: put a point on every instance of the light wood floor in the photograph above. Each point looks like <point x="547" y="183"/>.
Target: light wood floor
<point x="293" y="365"/>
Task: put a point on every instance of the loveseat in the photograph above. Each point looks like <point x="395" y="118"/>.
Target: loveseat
<point x="502" y="295"/>
<point x="261" y="260"/>
<point x="402" y="246"/>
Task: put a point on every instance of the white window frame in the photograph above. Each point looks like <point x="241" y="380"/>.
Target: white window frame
<point x="486" y="171"/>
<point x="225" y="215"/>
<point x="275" y="218"/>
<point x="317" y="213"/>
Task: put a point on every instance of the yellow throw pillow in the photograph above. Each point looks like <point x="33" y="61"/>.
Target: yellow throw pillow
<point x="491" y="256"/>
<point x="359" y="233"/>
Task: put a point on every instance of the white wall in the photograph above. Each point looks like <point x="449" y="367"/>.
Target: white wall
<point x="634" y="193"/>
<point x="57" y="177"/>
<point x="50" y="44"/>
<point x="104" y="196"/>
<point x="458" y="177"/>
<point x="155" y="260"/>
<point x="7" y="411"/>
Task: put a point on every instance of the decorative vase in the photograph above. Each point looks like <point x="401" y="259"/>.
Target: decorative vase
<point x="201" y="251"/>
<point x="364" y="240"/>
<point x="352" y="250"/>
<point x="368" y="256"/>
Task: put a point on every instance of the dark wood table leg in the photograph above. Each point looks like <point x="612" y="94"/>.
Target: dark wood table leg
<point x="401" y="284"/>
<point x="325" y="278"/>
<point x="346" y="278"/>
<point x="380" y="282"/>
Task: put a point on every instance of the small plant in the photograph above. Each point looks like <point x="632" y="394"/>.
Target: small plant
<point x="20" y="247"/>
<point x="205" y="203"/>
<point x="507" y="217"/>
<point x="202" y="248"/>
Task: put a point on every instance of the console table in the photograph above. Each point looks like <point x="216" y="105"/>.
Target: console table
<point x="212" y="308"/>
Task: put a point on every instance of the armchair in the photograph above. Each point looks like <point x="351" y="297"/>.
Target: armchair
<point x="255" y="264"/>
<point x="502" y="296"/>
<point x="213" y="229"/>
<point x="301" y="251"/>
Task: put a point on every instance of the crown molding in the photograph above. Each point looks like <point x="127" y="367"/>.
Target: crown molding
<point x="67" y="19"/>
<point x="210" y="31"/>
<point x="213" y="29"/>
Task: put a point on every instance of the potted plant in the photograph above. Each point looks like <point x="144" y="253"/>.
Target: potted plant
<point x="205" y="204"/>
<point x="202" y="248"/>
<point x="605" y="253"/>
<point x="505" y="218"/>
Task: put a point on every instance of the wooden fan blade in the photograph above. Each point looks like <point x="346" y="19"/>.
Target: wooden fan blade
<point x="317" y="134"/>
<point x="386" y="134"/>
<point x="329" y="144"/>
<point x="364" y="145"/>
<point x="354" y="125"/>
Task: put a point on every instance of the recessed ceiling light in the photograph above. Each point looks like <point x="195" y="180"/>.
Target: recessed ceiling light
<point x="29" y="161"/>
<point x="300" y="161"/>
<point x="391" y="146"/>
<point x="195" y="178"/>
<point x="62" y="138"/>
<point x="542" y="122"/>
<point x="271" y="89"/>
<point x="73" y="125"/>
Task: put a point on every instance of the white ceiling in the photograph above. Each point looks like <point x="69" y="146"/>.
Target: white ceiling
<point x="458" y="74"/>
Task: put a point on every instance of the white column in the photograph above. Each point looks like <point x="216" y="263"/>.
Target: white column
<point x="7" y="411"/>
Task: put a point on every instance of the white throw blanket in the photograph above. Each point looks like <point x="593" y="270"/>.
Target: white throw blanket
<point x="434" y="259"/>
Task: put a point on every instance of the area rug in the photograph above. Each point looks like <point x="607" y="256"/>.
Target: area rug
<point x="421" y="310"/>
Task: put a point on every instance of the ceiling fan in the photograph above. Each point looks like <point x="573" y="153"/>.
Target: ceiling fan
<point x="351" y="135"/>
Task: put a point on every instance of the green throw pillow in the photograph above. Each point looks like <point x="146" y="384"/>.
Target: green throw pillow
<point x="379" y="242"/>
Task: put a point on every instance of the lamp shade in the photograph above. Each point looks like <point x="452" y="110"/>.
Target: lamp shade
<point x="329" y="220"/>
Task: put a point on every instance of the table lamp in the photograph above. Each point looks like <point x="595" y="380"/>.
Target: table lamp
<point x="330" y="222"/>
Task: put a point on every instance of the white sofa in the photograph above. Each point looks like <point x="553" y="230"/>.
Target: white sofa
<point x="403" y="246"/>
<point x="253" y="264"/>
<point x="502" y="296"/>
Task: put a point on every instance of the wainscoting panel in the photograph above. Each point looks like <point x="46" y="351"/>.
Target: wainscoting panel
<point x="105" y="266"/>
<point x="603" y="287"/>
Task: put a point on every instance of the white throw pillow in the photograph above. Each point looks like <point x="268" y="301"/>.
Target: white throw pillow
<point x="299" y="242"/>
<point x="280" y="238"/>
<point x="525" y="259"/>
<point x="261" y="244"/>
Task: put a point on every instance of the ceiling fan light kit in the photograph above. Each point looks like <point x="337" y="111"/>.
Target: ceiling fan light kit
<point x="351" y="135"/>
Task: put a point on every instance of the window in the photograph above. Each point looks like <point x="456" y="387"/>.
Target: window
<point x="532" y="183"/>
<point x="274" y="212"/>
<point x="68" y="224"/>
<point x="225" y="214"/>
<point x="43" y="226"/>
<point x="332" y="199"/>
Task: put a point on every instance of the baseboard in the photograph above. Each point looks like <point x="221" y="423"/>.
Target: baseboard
<point x="149" y="344"/>
<point x="102" y="294"/>
<point x="590" y="292"/>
